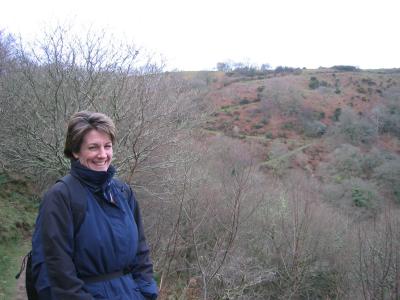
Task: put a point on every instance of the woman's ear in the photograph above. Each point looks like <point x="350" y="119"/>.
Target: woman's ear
<point x="76" y="155"/>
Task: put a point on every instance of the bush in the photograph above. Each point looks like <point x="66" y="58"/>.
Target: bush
<point x="361" y="198"/>
<point x="348" y="161"/>
<point x="387" y="175"/>
<point x="294" y="240"/>
<point x="258" y="126"/>
<point x="277" y="161"/>
<point x="284" y="69"/>
<point x="391" y="121"/>
<point x="322" y="284"/>
<point x="269" y="135"/>
<point x="309" y="122"/>
<point x="376" y="261"/>
<point x="314" y="128"/>
<point x="323" y="83"/>
<point x="368" y="81"/>
<point x="260" y="88"/>
<point x="336" y="114"/>
<point x="354" y="192"/>
<point x="345" y="68"/>
<point x="396" y="194"/>
<point x="288" y="126"/>
<point x="314" y="83"/>
<point x="355" y="129"/>
<point x="363" y="193"/>
<point x="361" y="90"/>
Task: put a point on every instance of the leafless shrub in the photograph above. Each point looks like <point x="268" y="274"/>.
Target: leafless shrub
<point x="353" y="128"/>
<point x="277" y="160"/>
<point x="204" y="215"/>
<point x="7" y="51"/>
<point x="348" y="161"/>
<point x="290" y="247"/>
<point x="387" y="116"/>
<point x="388" y="177"/>
<point x="305" y="245"/>
<point x="378" y="259"/>
<point x="280" y="97"/>
<point x="355" y="197"/>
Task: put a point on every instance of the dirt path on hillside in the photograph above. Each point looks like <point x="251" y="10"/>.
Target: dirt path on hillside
<point x="20" y="293"/>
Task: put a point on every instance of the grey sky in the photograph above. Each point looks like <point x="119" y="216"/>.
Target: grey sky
<point x="195" y="35"/>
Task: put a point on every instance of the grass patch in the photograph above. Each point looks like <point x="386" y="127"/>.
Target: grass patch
<point x="229" y="108"/>
<point x="11" y="254"/>
<point x="17" y="212"/>
<point x="18" y="209"/>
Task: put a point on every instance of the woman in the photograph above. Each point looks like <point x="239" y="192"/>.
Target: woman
<point x="106" y="255"/>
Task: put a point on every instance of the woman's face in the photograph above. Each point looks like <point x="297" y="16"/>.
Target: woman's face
<point x="96" y="151"/>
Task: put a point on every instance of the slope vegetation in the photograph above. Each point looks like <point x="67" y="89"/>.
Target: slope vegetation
<point x="18" y="207"/>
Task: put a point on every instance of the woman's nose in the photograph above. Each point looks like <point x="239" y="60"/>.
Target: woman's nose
<point x="102" y="152"/>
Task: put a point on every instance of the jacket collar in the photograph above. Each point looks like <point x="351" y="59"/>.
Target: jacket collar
<point x="96" y="181"/>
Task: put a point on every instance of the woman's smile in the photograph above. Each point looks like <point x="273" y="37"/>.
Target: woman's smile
<point x="96" y="151"/>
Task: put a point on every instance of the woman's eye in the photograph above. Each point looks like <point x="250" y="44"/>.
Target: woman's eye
<point x="108" y="146"/>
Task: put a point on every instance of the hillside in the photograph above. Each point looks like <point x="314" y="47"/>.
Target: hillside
<point x="259" y="106"/>
<point x="273" y="196"/>
<point x="332" y="124"/>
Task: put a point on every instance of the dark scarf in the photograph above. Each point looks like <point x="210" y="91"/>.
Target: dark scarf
<point x="98" y="182"/>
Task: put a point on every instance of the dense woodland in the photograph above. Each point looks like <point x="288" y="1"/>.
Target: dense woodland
<point x="254" y="183"/>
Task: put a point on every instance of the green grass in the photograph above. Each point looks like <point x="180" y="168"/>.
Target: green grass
<point x="11" y="254"/>
<point x="18" y="209"/>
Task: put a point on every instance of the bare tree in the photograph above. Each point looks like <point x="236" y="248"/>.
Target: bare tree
<point x="7" y="48"/>
<point x="201" y="219"/>
<point x="63" y="73"/>
<point x="378" y="258"/>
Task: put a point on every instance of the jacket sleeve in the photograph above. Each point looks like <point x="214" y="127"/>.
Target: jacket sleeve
<point x="58" y="243"/>
<point x="143" y="268"/>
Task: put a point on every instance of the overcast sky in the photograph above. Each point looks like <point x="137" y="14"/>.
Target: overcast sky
<point x="196" y="34"/>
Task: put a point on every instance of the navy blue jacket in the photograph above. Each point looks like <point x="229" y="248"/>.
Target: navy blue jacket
<point x="109" y="239"/>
